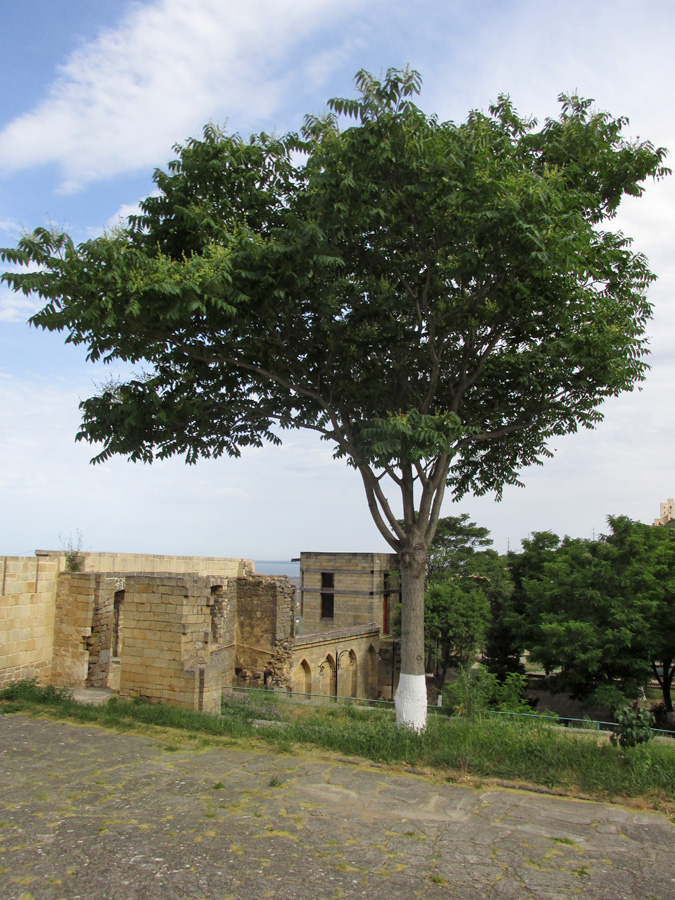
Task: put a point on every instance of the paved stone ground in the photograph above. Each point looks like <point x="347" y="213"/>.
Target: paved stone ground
<point x="87" y="813"/>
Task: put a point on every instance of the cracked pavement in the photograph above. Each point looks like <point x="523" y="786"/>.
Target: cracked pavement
<point x="95" y="814"/>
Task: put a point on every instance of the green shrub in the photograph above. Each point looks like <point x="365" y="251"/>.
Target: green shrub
<point x="471" y="693"/>
<point x="510" y="694"/>
<point x="633" y="727"/>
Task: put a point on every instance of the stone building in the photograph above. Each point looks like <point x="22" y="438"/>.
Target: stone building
<point x="344" y="639"/>
<point x="178" y="629"/>
<point x="170" y="629"/>
<point x="667" y="512"/>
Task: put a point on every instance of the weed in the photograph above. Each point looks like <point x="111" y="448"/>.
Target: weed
<point x="73" y="551"/>
<point x="274" y="782"/>
<point x="218" y="786"/>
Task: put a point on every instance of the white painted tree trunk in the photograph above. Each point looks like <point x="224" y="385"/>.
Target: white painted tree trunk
<point x="411" y="694"/>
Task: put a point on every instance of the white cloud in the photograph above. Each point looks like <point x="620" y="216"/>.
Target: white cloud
<point x="120" y="102"/>
<point x="10" y="225"/>
<point x="16" y="307"/>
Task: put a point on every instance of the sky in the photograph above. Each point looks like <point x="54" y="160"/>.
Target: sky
<point x="95" y="95"/>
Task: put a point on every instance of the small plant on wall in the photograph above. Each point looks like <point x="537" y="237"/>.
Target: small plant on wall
<point x="72" y="546"/>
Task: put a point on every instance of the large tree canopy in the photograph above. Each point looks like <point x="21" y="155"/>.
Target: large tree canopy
<point x="599" y="613"/>
<point x="435" y="299"/>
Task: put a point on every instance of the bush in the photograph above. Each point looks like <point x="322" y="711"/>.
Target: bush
<point x="472" y="692"/>
<point x="476" y="691"/>
<point x="510" y="695"/>
<point x="633" y="727"/>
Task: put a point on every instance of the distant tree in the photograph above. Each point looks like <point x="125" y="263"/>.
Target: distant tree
<point x="467" y="583"/>
<point x="456" y="541"/>
<point x="598" y="613"/>
<point x="436" y="300"/>
<point x="503" y="651"/>
<point x="457" y="614"/>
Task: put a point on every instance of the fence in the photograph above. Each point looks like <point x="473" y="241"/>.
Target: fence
<point x="554" y="720"/>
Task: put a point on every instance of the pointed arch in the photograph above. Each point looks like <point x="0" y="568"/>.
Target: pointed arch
<point x="327" y="676"/>
<point x="301" y="681"/>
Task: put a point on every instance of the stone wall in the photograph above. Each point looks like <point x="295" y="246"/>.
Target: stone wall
<point x="167" y="637"/>
<point x="360" y="583"/>
<point x="265" y="625"/>
<point x="107" y="628"/>
<point x="72" y="628"/>
<point x="27" y="592"/>
<point x="353" y="650"/>
<point x="177" y="646"/>
<point x="149" y="564"/>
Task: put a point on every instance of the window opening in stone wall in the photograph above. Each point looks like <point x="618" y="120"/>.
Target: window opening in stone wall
<point x="117" y="622"/>
<point x="327" y="595"/>
<point x="217" y="614"/>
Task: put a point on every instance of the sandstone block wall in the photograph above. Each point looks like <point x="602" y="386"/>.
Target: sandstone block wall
<point x="27" y="593"/>
<point x="103" y="667"/>
<point x="147" y="564"/>
<point x="265" y="623"/>
<point x="360" y="582"/>
<point x="355" y="653"/>
<point x="176" y="640"/>
<point x="72" y="629"/>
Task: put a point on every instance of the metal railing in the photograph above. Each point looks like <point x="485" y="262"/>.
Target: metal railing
<point x="554" y="720"/>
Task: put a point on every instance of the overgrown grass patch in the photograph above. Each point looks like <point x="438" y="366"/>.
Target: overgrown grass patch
<point x="528" y="751"/>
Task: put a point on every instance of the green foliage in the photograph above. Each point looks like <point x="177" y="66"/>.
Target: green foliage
<point x="456" y="544"/>
<point x="476" y="691"/>
<point x="510" y="693"/>
<point x="468" y="587"/>
<point x="599" y="615"/>
<point x="251" y="705"/>
<point x="472" y="693"/>
<point x="633" y="727"/>
<point x="28" y="690"/>
<point x="456" y="614"/>
<point x="390" y="287"/>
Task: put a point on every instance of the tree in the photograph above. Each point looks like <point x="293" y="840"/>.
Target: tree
<point x="468" y="584"/>
<point x="456" y="613"/>
<point x="599" y="613"/>
<point x="455" y="544"/>
<point x="435" y="299"/>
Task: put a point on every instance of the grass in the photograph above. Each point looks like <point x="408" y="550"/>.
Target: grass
<point x="497" y="747"/>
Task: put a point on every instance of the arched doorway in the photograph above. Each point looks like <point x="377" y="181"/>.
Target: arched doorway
<point x="327" y="676"/>
<point x="353" y="671"/>
<point x="301" y="682"/>
<point x="372" y="667"/>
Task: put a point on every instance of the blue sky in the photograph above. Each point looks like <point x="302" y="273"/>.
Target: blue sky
<point x="95" y="96"/>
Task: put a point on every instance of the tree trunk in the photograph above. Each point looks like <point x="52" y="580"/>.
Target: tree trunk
<point x="411" y="694"/>
<point x="666" y="687"/>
